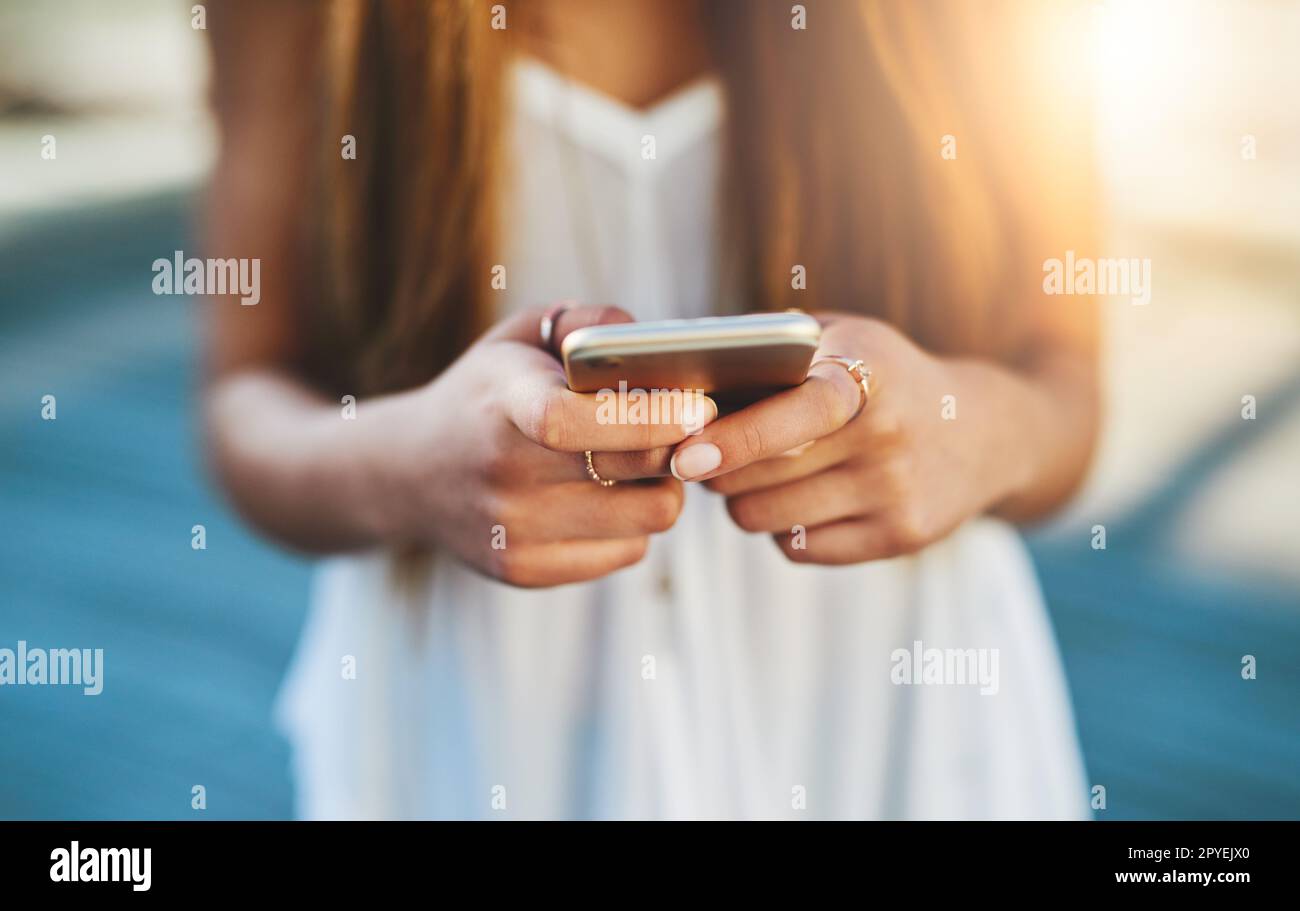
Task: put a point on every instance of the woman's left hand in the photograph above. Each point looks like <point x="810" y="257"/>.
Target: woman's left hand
<point x="904" y="471"/>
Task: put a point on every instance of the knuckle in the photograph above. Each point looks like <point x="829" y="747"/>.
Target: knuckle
<point x="891" y="544"/>
<point x="792" y="553"/>
<point x="503" y="511"/>
<point x="509" y="567"/>
<point x="723" y="484"/>
<point x="653" y="463"/>
<point x="645" y="436"/>
<point x="752" y="440"/>
<point x="638" y="549"/>
<point x="906" y="533"/>
<point x="608" y="313"/>
<point x="630" y="552"/>
<point x="551" y="422"/>
<point x="898" y="480"/>
<point x="498" y="464"/>
<point x="746" y="513"/>
<point x="662" y="510"/>
<point x="885" y="423"/>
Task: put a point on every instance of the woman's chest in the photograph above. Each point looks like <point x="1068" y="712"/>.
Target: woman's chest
<point x="607" y="204"/>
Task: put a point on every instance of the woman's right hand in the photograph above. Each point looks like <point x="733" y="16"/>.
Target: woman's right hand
<point x="487" y="461"/>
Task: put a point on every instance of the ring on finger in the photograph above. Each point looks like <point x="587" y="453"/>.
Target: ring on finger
<point x="858" y="370"/>
<point x="547" y="326"/>
<point x="595" y="475"/>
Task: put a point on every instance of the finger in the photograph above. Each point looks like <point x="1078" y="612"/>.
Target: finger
<point x="818" y="456"/>
<point x="563" y="562"/>
<point x="583" y="509"/>
<point x="546" y="467"/>
<point x="826" y="497"/>
<point x="550" y="414"/>
<point x="526" y="327"/>
<point x="822" y="404"/>
<point x="849" y="541"/>
<point x="628" y="466"/>
<point x="573" y="318"/>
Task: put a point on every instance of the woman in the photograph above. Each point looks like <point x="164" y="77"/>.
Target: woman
<point x="500" y="636"/>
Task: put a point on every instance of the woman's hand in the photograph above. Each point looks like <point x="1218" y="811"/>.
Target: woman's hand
<point x="903" y="472"/>
<point x="487" y="461"/>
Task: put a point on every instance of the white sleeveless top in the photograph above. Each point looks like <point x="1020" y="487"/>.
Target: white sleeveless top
<point x="714" y="679"/>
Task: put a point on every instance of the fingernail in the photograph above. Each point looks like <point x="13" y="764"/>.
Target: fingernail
<point x="702" y="412"/>
<point x="694" y="461"/>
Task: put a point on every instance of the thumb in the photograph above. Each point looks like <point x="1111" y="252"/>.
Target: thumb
<point x="526" y="327"/>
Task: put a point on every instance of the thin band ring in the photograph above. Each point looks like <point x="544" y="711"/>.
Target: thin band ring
<point x="594" y="475"/>
<point x="857" y="370"/>
<point x="549" y="319"/>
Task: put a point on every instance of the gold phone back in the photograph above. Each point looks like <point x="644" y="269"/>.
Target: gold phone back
<point x="760" y="352"/>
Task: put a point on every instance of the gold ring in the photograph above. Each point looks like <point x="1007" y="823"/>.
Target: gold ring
<point x="592" y="473"/>
<point x="857" y="370"/>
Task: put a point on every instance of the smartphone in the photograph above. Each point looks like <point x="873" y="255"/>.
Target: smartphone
<point x="735" y="359"/>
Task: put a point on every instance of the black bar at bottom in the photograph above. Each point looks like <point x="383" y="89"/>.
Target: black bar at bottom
<point x="218" y="859"/>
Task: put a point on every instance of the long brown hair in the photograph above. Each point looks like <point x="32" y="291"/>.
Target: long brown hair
<point x="834" y="162"/>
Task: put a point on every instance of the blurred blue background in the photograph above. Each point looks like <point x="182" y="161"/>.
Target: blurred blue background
<point x="1202" y="564"/>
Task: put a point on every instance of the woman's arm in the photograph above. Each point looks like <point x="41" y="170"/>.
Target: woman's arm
<point x="287" y="460"/>
<point x="944" y="439"/>
<point x="294" y="467"/>
<point x="483" y="462"/>
<point x="1050" y="417"/>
